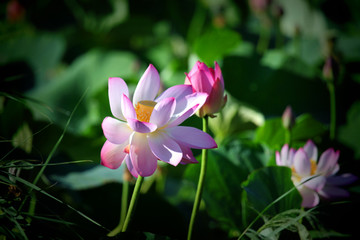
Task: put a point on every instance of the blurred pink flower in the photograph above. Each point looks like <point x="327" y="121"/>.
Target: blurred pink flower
<point x="288" y="118"/>
<point x="208" y="80"/>
<point x="146" y="129"/>
<point x="317" y="175"/>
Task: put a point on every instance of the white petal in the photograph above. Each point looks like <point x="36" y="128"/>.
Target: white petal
<point x="327" y="162"/>
<point x="302" y="163"/>
<point x="117" y="87"/>
<point x="148" y="86"/>
<point x="163" y="111"/>
<point x="141" y="127"/>
<point x="191" y="137"/>
<point x="181" y="118"/>
<point x="115" y="131"/>
<point x="127" y="108"/>
<point x="178" y="92"/>
<point x="310" y="197"/>
<point x="165" y="148"/>
<point x="184" y="104"/>
<point x="311" y="150"/>
<point x="284" y="154"/>
<point x="142" y="158"/>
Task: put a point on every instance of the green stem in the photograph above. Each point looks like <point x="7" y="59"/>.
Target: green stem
<point x="200" y="186"/>
<point x="288" y="136"/>
<point x="133" y="201"/>
<point x="124" y="206"/>
<point x="264" y="40"/>
<point x="332" y="110"/>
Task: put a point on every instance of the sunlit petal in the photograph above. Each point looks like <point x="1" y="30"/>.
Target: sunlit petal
<point x="115" y="131"/>
<point x="148" y="86"/>
<point x="127" y="108"/>
<point x="192" y="137"/>
<point x="178" y="92"/>
<point x="141" y="127"/>
<point x="165" y="148"/>
<point x="142" y="158"/>
<point x="163" y="111"/>
<point x="112" y="155"/>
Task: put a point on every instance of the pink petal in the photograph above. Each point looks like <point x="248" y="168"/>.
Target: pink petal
<point x="278" y="159"/>
<point x="200" y="81"/>
<point x="117" y="87"/>
<point x="327" y="162"/>
<point x="115" y="131"/>
<point x="142" y="158"/>
<point x="178" y="120"/>
<point x="332" y="192"/>
<point x="163" y="111"/>
<point x="165" y="148"/>
<point x="214" y="101"/>
<point x="302" y="163"/>
<point x="130" y="166"/>
<point x="127" y="107"/>
<point x="112" y="155"/>
<point x="191" y="137"/>
<point x="195" y="68"/>
<point x="341" y="180"/>
<point x="311" y="150"/>
<point x="291" y="155"/>
<point x="315" y="183"/>
<point x="141" y="127"/>
<point x="184" y="104"/>
<point x="188" y="156"/>
<point x="178" y="92"/>
<point x="218" y="74"/>
<point x="209" y="72"/>
<point x="310" y="197"/>
<point x="284" y="154"/>
<point x="148" y="86"/>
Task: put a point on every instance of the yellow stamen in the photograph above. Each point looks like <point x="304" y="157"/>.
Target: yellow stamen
<point x="296" y="177"/>
<point x="313" y="167"/>
<point x="144" y="109"/>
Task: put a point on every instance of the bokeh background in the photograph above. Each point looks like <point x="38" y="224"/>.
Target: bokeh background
<point x="56" y="57"/>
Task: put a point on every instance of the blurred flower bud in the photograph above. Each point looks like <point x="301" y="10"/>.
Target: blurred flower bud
<point x="259" y="5"/>
<point x="288" y="118"/>
<point x="15" y="11"/>
<point x="330" y="69"/>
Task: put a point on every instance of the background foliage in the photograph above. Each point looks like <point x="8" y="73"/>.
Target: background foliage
<point x="56" y="57"/>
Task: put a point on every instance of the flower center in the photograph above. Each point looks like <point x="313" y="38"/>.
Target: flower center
<point x="297" y="178"/>
<point x="144" y="109"/>
<point x="313" y="167"/>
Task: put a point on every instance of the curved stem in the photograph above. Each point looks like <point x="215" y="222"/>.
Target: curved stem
<point x="133" y="201"/>
<point x="124" y="205"/>
<point x="200" y="186"/>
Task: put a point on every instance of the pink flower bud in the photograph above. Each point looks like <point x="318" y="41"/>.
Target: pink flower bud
<point x="288" y="118"/>
<point x="210" y="81"/>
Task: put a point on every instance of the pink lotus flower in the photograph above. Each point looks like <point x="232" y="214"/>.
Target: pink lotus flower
<point x="147" y="129"/>
<point x="210" y="81"/>
<point x="316" y="175"/>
